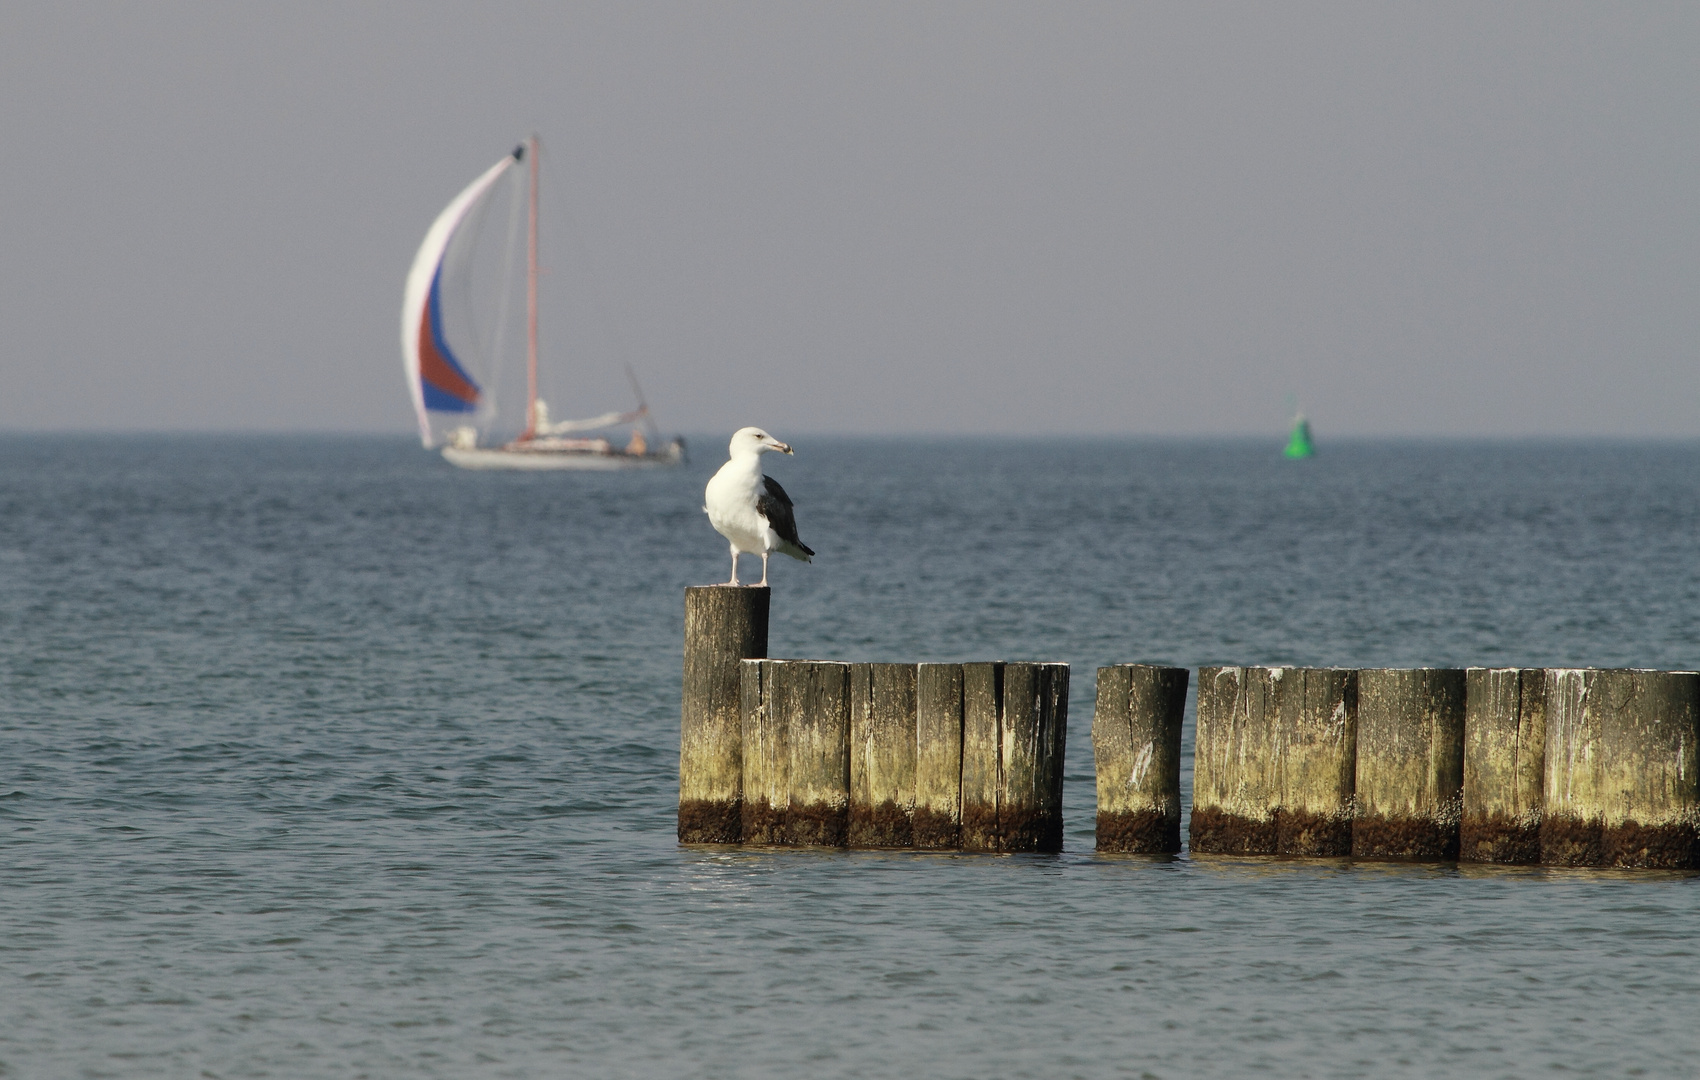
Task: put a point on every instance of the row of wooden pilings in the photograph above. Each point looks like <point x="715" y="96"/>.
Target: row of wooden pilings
<point x="964" y="756"/>
<point x="1573" y="767"/>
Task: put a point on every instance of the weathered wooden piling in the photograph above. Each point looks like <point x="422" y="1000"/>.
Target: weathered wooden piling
<point x="937" y="820"/>
<point x="1274" y="765"/>
<point x="883" y="744"/>
<point x="1317" y="733"/>
<point x="1622" y="774"/>
<point x="1136" y="753"/>
<point x="1504" y="765"/>
<point x="1410" y="763"/>
<point x="1236" y="784"/>
<point x="723" y="626"/>
<point x="766" y="758"/>
<point x="1014" y="730"/>
<point x="796" y="735"/>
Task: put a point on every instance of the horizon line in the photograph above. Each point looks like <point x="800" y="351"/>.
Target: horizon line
<point x="926" y="436"/>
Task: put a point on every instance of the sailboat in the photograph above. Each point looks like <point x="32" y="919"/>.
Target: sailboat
<point x="448" y="364"/>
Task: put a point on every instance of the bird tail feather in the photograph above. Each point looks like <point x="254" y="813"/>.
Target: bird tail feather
<point x="796" y="551"/>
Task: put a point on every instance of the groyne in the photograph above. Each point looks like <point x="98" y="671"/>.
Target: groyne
<point x="783" y="752"/>
<point x="1562" y="767"/>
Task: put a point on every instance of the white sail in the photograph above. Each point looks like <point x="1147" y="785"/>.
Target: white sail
<point x="435" y="377"/>
<point x="543" y="426"/>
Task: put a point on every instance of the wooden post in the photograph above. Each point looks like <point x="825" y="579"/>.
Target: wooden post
<point x="815" y="697"/>
<point x="1274" y="770"/>
<point x="1035" y="732"/>
<point x="883" y="743"/>
<point x="982" y="706"/>
<point x="796" y="767"/>
<point x="1014" y="730"/>
<point x="1136" y="753"/>
<point x="1622" y="769"/>
<point x="723" y="626"/>
<point x="1410" y="763"/>
<point x="938" y="756"/>
<point x="1317" y="735"/>
<point x="1236" y="783"/>
<point x="1505" y="734"/>
<point x="766" y="759"/>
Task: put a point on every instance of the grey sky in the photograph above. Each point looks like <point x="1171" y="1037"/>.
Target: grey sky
<point x="1420" y="219"/>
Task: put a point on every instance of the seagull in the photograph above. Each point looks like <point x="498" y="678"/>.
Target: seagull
<point x="749" y="509"/>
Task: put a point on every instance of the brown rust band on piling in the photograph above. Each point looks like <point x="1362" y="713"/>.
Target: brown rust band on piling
<point x="937" y="820"/>
<point x="723" y="627"/>
<point x="1136" y="754"/>
<point x="1504" y="765"/>
<point x="1015" y="729"/>
<point x="883" y="744"/>
<point x="1410" y="763"/>
<point x="1622" y="785"/>
<point x="1235" y="783"/>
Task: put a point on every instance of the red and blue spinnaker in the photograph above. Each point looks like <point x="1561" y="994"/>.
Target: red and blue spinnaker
<point x="438" y="380"/>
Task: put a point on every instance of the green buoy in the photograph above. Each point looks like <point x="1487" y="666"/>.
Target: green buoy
<point x="1298" y="444"/>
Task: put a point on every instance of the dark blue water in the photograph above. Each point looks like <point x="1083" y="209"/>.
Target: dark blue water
<point x="319" y="758"/>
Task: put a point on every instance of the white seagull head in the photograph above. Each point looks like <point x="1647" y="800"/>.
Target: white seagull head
<point x="755" y="441"/>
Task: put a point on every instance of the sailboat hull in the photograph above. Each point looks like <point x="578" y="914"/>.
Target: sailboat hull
<point x="493" y="458"/>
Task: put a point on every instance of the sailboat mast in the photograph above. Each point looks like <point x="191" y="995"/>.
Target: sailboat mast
<point x="531" y="303"/>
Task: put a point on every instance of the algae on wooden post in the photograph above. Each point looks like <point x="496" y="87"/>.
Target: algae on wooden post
<point x="1410" y="767"/>
<point x="1136" y="754"/>
<point x="883" y="744"/>
<point x="1622" y="773"/>
<point x="1014" y="729"/>
<point x="937" y="821"/>
<point x="1504" y="765"/>
<point x="723" y="627"/>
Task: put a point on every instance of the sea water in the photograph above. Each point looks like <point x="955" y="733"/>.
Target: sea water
<point x="320" y="758"/>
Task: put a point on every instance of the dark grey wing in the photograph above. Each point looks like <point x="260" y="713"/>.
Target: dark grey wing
<point x="774" y="505"/>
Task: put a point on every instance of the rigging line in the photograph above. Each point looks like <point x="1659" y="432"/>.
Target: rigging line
<point x="558" y="204"/>
<point x="643" y="404"/>
<point x="533" y="167"/>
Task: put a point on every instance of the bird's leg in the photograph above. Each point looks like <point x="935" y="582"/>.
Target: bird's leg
<point x="763" y="584"/>
<point x="734" y="580"/>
